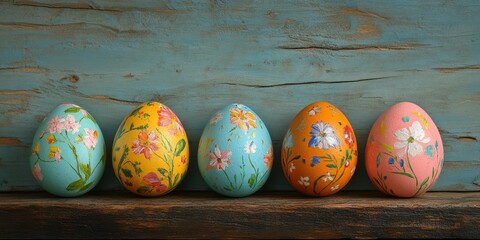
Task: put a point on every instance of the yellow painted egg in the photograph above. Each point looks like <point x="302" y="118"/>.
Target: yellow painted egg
<point x="319" y="151"/>
<point x="150" y="152"/>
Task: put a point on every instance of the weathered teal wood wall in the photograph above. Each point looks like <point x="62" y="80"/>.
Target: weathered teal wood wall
<point x="274" y="56"/>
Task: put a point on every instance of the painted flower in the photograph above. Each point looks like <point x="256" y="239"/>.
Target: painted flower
<point x="323" y="136"/>
<point x="391" y="161"/>
<point x="315" y="160"/>
<point x="349" y="136"/>
<point x="84" y="113"/>
<point x="41" y="134"/>
<point x="314" y="110"/>
<point x="250" y="147"/>
<point x="145" y="143"/>
<point x="335" y="187"/>
<point x="304" y="181"/>
<point x="217" y="117"/>
<point x="328" y="177"/>
<point x="37" y="172"/>
<point x="410" y="139"/>
<point x="292" y="167"/>
<point x="167" y="117"/>
<point x="353" y="170"/>
<point x="151" y="179"/>
<point x="90" y="139"/>
<point x="429" y="151"/>
<point x="70" y="124"/>
<point x="56" y="124"/>
<point x="267" y="158"/>
<point x="288" y="139"/>
<point x="55" y="152"/>
<point x="36" y="149"/>
<point x="220" y="159"/>
<point x="183" y="159"/>
<point x="51" y="139"/>
<point x="242" y="119"/>
<point x="402" y="163"/>
<point x="347" y="163"/>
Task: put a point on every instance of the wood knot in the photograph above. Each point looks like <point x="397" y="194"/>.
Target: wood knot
<point x="72" y="78"/>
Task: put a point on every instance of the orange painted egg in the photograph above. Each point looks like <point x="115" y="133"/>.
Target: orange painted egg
<point x="319" y="151"/>
<point x="150" y="150"/>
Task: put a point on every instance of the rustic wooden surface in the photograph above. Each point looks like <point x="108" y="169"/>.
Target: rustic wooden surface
<point x="265" y="215"/>
<point x="276" y="57"/>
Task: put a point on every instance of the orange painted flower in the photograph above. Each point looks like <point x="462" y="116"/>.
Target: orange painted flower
<point x="349" y="137"/>
<point x="242" y="119"/>
<point x="36" y="149"/>
<point x="145" y="143"/>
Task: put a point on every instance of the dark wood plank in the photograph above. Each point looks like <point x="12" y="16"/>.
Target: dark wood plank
<point x="264" y="215"/>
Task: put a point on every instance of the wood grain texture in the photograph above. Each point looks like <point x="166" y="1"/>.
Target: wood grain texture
<point x="207" y="215"/>
<point x="197" y="57"/>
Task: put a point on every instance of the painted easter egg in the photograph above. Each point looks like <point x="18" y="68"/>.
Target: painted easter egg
<point x="319" y="151"/>
<point x="150" y="151"/>
<point x="235" y="152"/>
<point x="404" y="151"/>
<point x="68" y="152"/>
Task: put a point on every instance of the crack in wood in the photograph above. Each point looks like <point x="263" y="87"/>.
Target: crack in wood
<point x="467" y="139"/>
<point x="307" y="83"/>
<point x="25" y="69"/>
<point x="91" y="6"/>
<point x="10" y="141"/>
<point x="353" y="47"/>
<point x="118" y="100"/>
<point x="68" y="27"/>
<point x="458" y="69"/>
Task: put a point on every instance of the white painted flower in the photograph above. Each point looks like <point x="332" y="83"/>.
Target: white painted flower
<point x="292" y="167"/>
<point x="410" y="139"/>
<point x="217" y="117"/>
<point x="250" y="147"/>
<point x="335" y="187"/>
<point x="328" y="177"/>
<point x="304" y="181"/>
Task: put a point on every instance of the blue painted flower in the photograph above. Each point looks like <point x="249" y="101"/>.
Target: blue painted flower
<point x="323" y="136"/>
<point x="429" y="150"/>
<point x="402" y="162"/>
<point x="288" y="140"/>
<point x="406" y="119"/>
<point x="391" y="161"/>
<point x="315" y="160"/>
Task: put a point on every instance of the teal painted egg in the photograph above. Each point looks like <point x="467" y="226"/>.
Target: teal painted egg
<point x="235" y="153"/>
<point x="68" y="152"/>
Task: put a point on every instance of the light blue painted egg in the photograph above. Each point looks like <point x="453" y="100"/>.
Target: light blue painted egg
<point x="68" y="152"/>
<point x="235" y="152"/>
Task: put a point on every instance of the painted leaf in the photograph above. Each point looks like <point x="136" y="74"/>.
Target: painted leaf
<point x="72" y="110"/>
<point x="387" y="147"/>
<point x="404" y="174"/>
<point x="379" y="159"/>
<point x="227" y="189"/>
<point x="127" y="173"/>
<point x="144" y="189"/>
<point x="331" y="165"/>
<point x="180" y="146"/>
<point x="75" y="185"/>
<point x="162" y="171"/>
<point x="252" y="181"/>
<point x="424" y="182"/>
<point x="176" y="179"/>
<point x="86" y="169"/>
<point x="85" y="187"/>
<point x="91" y="118"/>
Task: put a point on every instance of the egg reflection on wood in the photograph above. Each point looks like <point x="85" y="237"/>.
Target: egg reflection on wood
<point x="319" y="152"/>
<point x="235" y="152"/>
<point x="68" y="153"/>
<point x="404" y="151"/>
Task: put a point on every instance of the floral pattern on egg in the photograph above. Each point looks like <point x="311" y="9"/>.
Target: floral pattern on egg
<point x="319" y="151"/>
<point x="235" y="152"/>
<point x="68" y="141"/>
<point x="404" y="152"/>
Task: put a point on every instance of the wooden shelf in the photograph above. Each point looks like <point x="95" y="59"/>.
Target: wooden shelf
<point x="263" y="215"/>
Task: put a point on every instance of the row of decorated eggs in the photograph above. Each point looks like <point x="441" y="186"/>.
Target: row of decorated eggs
<point x="150" y="152"/>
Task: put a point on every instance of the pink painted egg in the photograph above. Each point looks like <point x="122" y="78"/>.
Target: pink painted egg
<point x="404" y="151"/>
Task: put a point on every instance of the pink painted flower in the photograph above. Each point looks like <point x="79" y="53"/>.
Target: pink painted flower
<point x="183" y="159"/>
<point x="84" y="113"/>
<point x="152" y="180"/>
<point x="242" y="119"/>
<point x="220" y="160"/>
<point x="349" y="136"/>
<point x="90" y="139"/>
<point x="167" y="117"/>
<point x="145" y="143"/>
<point x="37" y="172"/>
<point x="71" y="125"/>
<point x="56" y="124"/>
<point x="55" y="152"/>
<point x="267" y="158"/>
